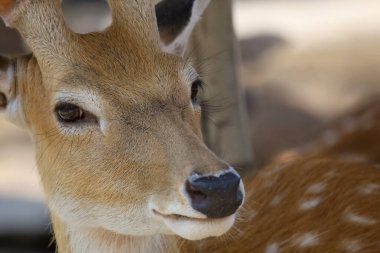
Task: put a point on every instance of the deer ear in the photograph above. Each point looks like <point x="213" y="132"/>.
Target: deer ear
<point x="176" y="20"/>
<point x="6" y="81"/>
<point x="9" y="102"/>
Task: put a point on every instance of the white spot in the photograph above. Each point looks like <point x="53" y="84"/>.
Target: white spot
<point x="280" y="167"/>
<point x="272" y="248"/>
<point x="268" y="183"/>
<point x="369" y="189"/>
<point x="276" y="169"/>
<point x="317" y="188"/>
<point x="308" y="204"/>
<point x="330" y="174"/>
<point x="88" y="100"/>
<point x="357" y="158"/>
<point x="330" y="137"/>
<point x="359" y="219"/>
<point x="277" y="200"/>
<point x="351" y="245"/>
<point x="307" y="240"/>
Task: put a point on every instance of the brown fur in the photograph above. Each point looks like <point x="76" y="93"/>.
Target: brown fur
<point x="263" y="223"/>
<point x="153" y="142"/>
<point x="5" y="5"/>
<point x="272" y="215"/>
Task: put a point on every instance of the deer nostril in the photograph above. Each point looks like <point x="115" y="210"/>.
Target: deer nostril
<point x="195" y="194"/>
<point x="216" y="196"/>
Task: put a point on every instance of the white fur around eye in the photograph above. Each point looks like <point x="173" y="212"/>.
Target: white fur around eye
<point x="86" y="100"/>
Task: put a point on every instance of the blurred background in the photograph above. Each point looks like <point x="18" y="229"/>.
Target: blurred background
<point x="303" y="63"/>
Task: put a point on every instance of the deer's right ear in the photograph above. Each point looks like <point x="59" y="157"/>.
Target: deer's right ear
<point x="176" y="20"/>
<point x="9" y="104"/>
<point x="7" y="81"/>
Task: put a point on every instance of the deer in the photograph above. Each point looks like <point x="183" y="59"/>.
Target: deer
<point x="320" y="197"/>
<point x="115" y="119"/>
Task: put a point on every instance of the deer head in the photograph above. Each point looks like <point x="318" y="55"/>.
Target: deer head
<point x="115" y="120"/>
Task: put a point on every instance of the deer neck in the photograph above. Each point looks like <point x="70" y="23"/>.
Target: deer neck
<point x="73" y="239"/>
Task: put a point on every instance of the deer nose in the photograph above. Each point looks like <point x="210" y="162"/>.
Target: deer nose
<point x="216" y="195"/>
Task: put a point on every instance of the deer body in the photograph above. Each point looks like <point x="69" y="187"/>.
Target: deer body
<point x="323" y="197"/>
<point x="309" y="205"/>
<point x="116" y="125"/>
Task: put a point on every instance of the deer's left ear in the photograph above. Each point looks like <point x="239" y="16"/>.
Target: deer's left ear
<point x="176" y="20"/>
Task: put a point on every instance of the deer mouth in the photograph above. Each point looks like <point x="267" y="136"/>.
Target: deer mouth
<point x="176" y="216"/>
<point x="194" y="228"/>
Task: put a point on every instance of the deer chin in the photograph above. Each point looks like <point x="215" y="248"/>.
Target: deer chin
<point x="196" y="228"/>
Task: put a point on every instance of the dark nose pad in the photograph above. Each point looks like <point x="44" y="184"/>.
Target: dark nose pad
<point x="215" y="196"/>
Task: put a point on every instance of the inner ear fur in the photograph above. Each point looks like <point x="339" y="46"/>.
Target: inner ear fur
<point x="176" y="20"/>
<point x="6" y="81"/>
<point x="10" y="97"/>
<point x="172" y="18"/>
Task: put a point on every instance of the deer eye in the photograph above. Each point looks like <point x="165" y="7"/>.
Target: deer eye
<point x="69" y="113"/>
<point x="196" y="85"/>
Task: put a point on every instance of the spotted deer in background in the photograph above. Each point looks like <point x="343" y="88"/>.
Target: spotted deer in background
<point x="321" y="198"/>
<point x="115" y="119"/>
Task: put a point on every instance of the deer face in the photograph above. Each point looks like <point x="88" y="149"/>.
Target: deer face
<point x="115" y="119"/>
